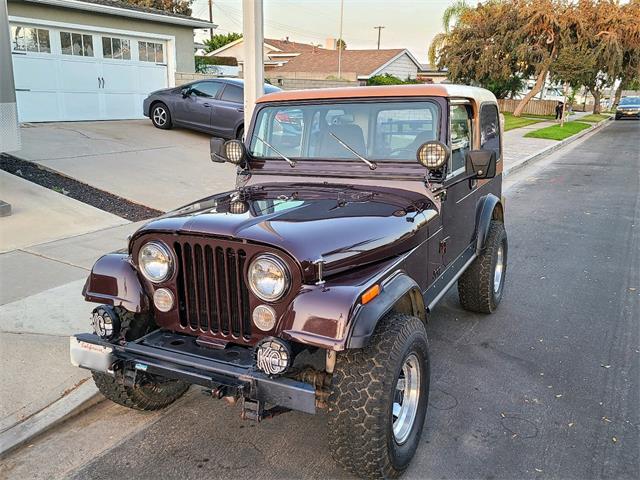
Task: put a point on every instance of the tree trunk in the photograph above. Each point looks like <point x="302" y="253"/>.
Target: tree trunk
<point x="596" y="101"/>
<point x="542" y="77"/>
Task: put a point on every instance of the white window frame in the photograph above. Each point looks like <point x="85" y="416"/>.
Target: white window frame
<point x="26" y="51"/>
<point x="111" y="39"/>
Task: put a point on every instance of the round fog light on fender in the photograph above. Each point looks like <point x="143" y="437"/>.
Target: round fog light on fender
<point x="264" y="317"/>
<point x="273" y="356"/>
<point x="163" y="299"/>
<point x="105" y="322"/>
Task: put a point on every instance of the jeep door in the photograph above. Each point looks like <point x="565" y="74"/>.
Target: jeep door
<point x="459" y="205"/>
<point x="195" y="109"/>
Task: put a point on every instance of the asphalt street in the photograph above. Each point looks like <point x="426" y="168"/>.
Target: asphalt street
<point x="547" y="387"/>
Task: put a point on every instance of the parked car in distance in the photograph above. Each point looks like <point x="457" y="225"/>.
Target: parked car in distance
<point x="213" y="106"/>
<point x="309" y="286"/>
<point x="629" y="107"/>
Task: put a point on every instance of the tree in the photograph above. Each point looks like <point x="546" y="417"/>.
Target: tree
<point x="182" y="7"/>
<point x="479" y="50"/>
<point x="450" y="15"/>
<point x="341" y="44"/>
<point x="630" y="32"/>
<point x="220" y="40"/>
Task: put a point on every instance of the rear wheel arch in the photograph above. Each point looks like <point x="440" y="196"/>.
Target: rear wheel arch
<point x="489" y="209"/>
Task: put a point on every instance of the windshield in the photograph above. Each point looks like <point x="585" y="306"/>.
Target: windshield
<point x="378" y="131"/>
<point x="630" y="101"/>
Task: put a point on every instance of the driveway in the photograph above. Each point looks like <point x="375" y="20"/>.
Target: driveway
<point x="162" y="169"/>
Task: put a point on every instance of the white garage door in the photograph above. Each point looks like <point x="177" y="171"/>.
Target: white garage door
<point x="67" y="75"/>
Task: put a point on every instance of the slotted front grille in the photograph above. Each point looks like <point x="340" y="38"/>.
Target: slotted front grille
<point x="213" y="295"/>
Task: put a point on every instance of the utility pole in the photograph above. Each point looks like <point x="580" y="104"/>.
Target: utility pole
<point x="379" y="28"/>
<point x="211" y="18"/>
<point x="253" y="67"/>
<point x="340" y="41"/>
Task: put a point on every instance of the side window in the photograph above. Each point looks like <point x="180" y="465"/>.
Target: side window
<point x="460" y="138"/>
<point x="490" y="129"/>
<point x="30" y="39"/>
<point x="206" y="89"/>
<point x="77" y="44"/>
<point x="232" y="94"/>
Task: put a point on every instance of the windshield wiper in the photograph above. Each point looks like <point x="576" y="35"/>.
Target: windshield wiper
<point x="371" y="165"/>
<point x="288" y="160"/>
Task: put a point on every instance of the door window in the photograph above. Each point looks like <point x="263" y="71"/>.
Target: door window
<point x="116" y="48"/>
<point x="490" y="129"/>
<point x="460" y="138"/>
<point x="232" y="94"/>
<point x="150" y="52"/>
<point x="206" y="89"/>
<point x="77" y="44"/>
<point x="30" y="39"/>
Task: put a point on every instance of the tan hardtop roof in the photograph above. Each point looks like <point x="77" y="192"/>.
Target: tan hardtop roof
<point x="478" y="95"/>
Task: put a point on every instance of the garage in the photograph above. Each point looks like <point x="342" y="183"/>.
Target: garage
<point x="93" y="70"/>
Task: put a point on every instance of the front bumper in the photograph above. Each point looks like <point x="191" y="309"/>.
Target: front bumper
<point x="179" y="357"/>
<point x="146" y="103"/>
<point x="628" y="113"/>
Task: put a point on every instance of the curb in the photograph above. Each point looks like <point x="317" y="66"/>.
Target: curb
<point x="552" y="148"/>
<point x="79" y="399"/>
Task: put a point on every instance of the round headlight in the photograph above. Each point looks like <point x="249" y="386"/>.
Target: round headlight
<point x="155" y="261"/>
<point x="234" y="151"/>
<point x="433" y="155"/>
<point x="268" y="278"/>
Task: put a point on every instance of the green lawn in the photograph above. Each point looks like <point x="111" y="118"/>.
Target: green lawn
<point x="556" y="132"/>
<point x="511" y="122"/>
<point x="594" y="117"/>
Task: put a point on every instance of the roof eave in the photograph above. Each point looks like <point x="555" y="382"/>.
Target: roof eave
<point x="125" y="12"/>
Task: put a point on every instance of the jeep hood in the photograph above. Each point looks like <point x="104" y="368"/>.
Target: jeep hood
<point x="346" y="226"/>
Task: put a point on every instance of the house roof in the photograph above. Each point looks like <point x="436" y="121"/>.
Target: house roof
<point x="364" y="63"/>
<point x="287" y="46"/>
<point x="124" y="9"/>
<point x="478" y="95"/>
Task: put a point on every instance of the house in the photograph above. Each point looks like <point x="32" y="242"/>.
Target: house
<point x="430" y="74"/>
<point x="94" y="59"/>
<point x="276" y="52"/>
<point x="356" y="65"/>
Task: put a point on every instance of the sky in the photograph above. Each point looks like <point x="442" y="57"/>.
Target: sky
<point x="408" y="24"/>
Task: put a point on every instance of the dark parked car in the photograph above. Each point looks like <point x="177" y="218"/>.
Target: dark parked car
<point x="310" y="285"/>
<point x="629" y="107"/>
<point x="212" y="106"/>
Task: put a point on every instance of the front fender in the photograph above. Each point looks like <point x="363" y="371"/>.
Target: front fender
<point x="114" y="281"/>
<point x="484" y="213"/>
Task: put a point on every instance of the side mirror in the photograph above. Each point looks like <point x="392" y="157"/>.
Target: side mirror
<point x="481" y="163"/>
<point x="216" y="145"/>
<point x="185" y="92"/>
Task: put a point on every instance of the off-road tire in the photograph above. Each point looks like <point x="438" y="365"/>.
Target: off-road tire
<point x="364" y="381"/>
<point x="476" y="285"/>
<point x="151" y="393"/>
<point x="168" y="123"/>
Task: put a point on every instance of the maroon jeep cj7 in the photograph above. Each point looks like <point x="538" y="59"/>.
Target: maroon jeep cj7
<point x="309" y="286"/>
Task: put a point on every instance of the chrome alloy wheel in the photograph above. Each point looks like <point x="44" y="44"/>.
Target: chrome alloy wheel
<point x="160" y="116"/>
<point x="406" y="399"/>
<point x="499" y="270"/>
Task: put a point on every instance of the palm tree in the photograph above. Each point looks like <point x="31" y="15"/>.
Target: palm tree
<point x="451" y="15"/>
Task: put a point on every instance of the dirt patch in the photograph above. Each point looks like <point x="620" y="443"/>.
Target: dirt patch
<point x="77" y="190"/>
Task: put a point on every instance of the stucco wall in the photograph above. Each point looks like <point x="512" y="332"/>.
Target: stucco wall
<point x="183" y="35"/>
<point x="402" y="68"/>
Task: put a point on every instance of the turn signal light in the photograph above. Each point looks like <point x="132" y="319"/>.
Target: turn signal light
<point x="370" y="294"/>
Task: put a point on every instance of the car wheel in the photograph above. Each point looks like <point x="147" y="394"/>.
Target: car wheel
<point x="160" y="116"/>
<point x="379" y="398"/>
<point x="481" y="286"/>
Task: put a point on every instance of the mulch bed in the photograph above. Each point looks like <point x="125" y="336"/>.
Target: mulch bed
<point x="77" y="190"/>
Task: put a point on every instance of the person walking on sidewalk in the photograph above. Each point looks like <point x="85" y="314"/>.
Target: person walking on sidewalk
<point x="559" y="109"/>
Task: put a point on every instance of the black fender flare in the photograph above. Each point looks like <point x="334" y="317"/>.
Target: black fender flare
<point x="367" y="317"/>
<point x="484" y="213"/>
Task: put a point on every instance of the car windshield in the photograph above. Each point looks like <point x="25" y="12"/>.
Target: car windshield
<point x="630" y="101"/>
<point x="377" y="131"/>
